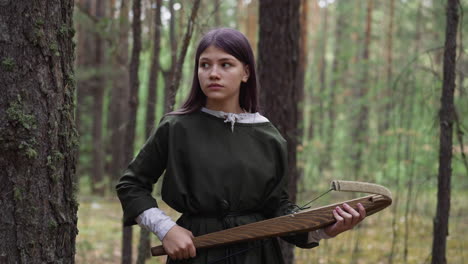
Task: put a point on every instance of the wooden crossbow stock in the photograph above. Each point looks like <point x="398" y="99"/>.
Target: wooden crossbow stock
<point x="302" y="221"/>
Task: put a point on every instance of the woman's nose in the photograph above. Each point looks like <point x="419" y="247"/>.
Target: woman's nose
<point x="214" y="73"/>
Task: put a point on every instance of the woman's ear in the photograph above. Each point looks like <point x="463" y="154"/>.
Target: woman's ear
<point x="245" y="78"/>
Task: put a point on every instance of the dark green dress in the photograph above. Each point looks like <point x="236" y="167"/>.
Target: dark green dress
<point x="217" y="178"/>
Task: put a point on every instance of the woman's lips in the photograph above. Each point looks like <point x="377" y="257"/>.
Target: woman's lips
<point x="215" y="86"/>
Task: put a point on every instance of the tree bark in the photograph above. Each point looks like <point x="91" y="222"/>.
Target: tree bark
<point x="360" y="129"/>
<point x="336" y="82"/>
<point x="84" y="46"/>
<point x="38" y="139"/>
<point x="279" y="34"/>
<point x="119" y="95"/>
<point x="97" y="167"/>
<point x="177" y="74"/>
<point x="170" y="72"/>
<point x="132" y="112"/>
<point x="144" y="244"/>
<point x="324" y="162"/>
<point x="446" y="119"/>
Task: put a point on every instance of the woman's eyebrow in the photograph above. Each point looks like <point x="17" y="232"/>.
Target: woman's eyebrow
<point x="220" y="59"/>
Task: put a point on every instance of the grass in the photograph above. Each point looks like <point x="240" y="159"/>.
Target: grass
<point x="99" y="238"/>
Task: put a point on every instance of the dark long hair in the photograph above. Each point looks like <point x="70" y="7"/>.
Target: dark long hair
<point x="236" y="44"/>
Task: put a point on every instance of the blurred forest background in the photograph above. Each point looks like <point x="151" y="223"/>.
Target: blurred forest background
<point x="369" y="112"/>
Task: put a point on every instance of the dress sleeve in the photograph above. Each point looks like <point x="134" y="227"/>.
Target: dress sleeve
<point x="136" y="184"/>
<point x="302" y="239"/>
<point x="287" y="207"/>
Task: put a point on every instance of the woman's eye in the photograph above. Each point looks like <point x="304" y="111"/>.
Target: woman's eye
<point x="225" y="65"/>
<point x="204" y="65"/>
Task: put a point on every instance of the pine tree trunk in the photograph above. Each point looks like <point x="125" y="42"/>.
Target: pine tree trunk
<point x="279" y="34"/>
<point x="85" y="45"/>
<point x="132" y="112"/>
<point x="97" y="162"/>
<point x="119" y="95"/>
<point x="446" y="119"/>
<point x="177" y="74"/>
<point x="360" y="130"/>
<point x="168" y="75"/>
<point x="324" y="163"/>
<point x="336" y="82"/>
<point x="38" y="139"/>
<point x="144" y="244"/>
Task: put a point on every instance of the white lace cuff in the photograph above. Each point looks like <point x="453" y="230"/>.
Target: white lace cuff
<point x="155" y="221"/>
<point x="317" y="235"/>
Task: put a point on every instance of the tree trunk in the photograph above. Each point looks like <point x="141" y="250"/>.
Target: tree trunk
<point x="251" y="24"/>
<point x="177" y="74"/>
<point x="119" y="95"/>
<point x="446" y="119"/>
<point x="336" y="82"/>
<point x="97" y="163"/>
<point x="170" y="72"/>
<point x="279" y="34"/>
<point x="38" y="139"/>
<point x="360" y="130"/>
<point x="132" y="112"/>
<point x="388" y="95"/>
<point x="144" y="245"/>
<point x="84" y="46"/>
<point x="217" y="13"/>
<point x="323" y="163"/>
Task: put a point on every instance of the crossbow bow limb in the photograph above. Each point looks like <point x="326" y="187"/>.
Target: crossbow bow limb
<point x="298" y="222"/>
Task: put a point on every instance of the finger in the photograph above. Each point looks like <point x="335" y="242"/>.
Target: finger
<point x="339" y="219"/>
<point x="362" y="211"/>
<point x="355" y="215"/>
<point x="187" y="250"/>
<point x="193" y="251"/>
<point x="347" y="217"/>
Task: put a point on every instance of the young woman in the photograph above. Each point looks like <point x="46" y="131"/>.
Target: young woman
<point x="225" y="164"/>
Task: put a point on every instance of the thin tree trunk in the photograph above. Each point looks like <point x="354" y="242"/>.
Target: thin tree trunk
<point x="360" y="131"/>
<point x="97" y="163"/>
<point x="323" y="87"/>
<point x="38" y="139"/>
<point x="217" y="13"/>
<point x="177" y="75"/>
<point x="446" y="119"/>
<point x="279" y="34"/>
<point x="387" y="96"/>
<point x="335" y="84"/>
<point x="309" y="94"/>
<point x="132" y="112"/>
<point x="252" y="24"/>
<point x="144" y="244"/>
<point x="303" y="53"/>
<point x="119" y="95"/>
<point x="361" y="126"/>
<point x="173" y="43"/>
<point x="84" y="46"/>
<point x="154" y="71"/>
<point x="410" y="185"/>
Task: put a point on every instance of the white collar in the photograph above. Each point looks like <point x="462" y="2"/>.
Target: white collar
<point x="246" y="118"/>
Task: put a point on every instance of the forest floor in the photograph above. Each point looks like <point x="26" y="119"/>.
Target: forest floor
<point x="100" y="234"/>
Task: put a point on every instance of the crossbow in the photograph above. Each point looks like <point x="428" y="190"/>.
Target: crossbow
<point x="297" y="222"/>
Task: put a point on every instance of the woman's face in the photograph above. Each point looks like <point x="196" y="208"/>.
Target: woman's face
<point x="220" y="75"/>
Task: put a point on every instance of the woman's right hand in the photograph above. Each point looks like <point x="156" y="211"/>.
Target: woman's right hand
<point x="178" y="243"/>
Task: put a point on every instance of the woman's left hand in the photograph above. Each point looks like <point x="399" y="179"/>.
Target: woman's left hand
<point x="346" y="218"/>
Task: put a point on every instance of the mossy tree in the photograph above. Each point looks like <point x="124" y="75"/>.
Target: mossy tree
<point x="38" y="139"/>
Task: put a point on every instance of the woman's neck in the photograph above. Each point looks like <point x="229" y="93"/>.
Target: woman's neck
<point x="227" y="108"/>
